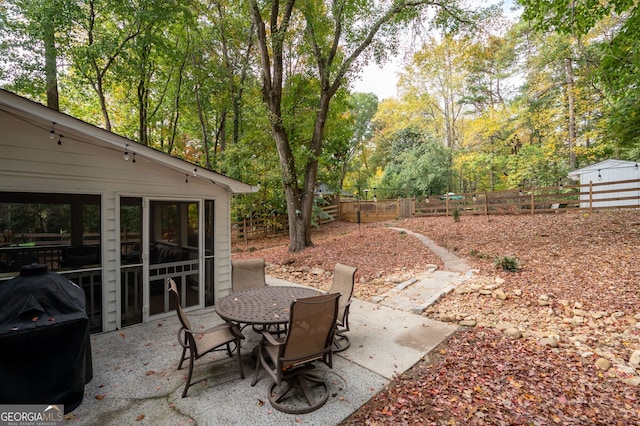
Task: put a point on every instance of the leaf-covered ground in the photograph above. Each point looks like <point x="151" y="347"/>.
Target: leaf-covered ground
<point x="482" y="377"/>
<point x="575" y="298"/>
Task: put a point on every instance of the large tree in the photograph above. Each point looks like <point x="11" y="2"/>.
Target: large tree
<point x="327" y="39"/>
<point x="33" y="34"/>
<point x="618" y="58"/>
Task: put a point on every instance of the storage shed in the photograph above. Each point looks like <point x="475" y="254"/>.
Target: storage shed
<point x="608" y="184"/>
<point x="115" y="217"/>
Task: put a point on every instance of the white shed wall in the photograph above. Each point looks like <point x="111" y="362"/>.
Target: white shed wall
<point x="609" y="171"/>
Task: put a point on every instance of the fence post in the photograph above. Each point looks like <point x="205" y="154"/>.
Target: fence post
<point x="533" y="202"/>
<point x="244" y="231"/>
<point x="486" y="203"/>
<point x="590" y="196"/>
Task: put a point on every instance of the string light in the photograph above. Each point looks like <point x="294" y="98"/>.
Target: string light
<point x="126" y="152"/>
<point x="53" y="133"/>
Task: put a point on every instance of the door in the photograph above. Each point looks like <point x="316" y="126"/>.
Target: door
<point x="131" y="266"/>
<point x="173" y="253"/>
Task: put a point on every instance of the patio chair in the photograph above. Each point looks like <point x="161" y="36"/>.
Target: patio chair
<point x="199" y="343"/>
<point x="343" y="280"/>
<point x="247" y="273"/>
<point x="289" y="359"/>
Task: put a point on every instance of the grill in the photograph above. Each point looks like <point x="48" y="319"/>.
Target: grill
<point x="45" y="349"/>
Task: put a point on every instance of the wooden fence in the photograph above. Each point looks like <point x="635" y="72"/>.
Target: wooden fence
<point x="553" y="199"/>
<point x="369" y="211"/>
<point x="274" y="226"/>
<point x="556" y="199"/>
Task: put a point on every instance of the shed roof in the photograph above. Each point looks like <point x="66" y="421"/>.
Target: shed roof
<point x="39" y="115"/>
<point x="611" y="163"/>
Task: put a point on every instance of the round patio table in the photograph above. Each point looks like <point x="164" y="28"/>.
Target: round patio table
<point x="262" y="306"/>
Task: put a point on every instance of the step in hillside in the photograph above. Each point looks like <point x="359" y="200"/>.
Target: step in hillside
<point x="416" y="294"/>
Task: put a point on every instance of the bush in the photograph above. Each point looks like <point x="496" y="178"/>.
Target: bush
<point x="456" y="215"/>
<point x="507" y="263"/>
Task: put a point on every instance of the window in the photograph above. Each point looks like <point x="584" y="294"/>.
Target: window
<point x="61" y="231"/>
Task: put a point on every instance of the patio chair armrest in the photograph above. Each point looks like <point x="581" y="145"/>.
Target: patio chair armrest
<point x="182" y="337"/>
<point x="212" y="329"/>
<point x="232" y="327"/>
<point x="272" y="340"/>
<point x="236" y="331"/>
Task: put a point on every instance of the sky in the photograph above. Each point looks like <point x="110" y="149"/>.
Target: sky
<point x="381" y="80"/>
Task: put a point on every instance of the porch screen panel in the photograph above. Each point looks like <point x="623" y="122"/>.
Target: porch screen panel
<point x="174" y="238"/>
<point x="61" y="231"/>
<point x="131" y="269"/>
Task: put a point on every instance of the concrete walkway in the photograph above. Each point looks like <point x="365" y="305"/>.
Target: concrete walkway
<point x="136" y="382"/>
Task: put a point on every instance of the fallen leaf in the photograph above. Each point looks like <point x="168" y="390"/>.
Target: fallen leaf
<point x="100" y="397"/>
<point x="586" y="261"/>
<point x="140" y="418"/>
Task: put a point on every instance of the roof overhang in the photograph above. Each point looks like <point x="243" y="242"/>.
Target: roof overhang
<point x="46" y="118"/>
<point x="601" y="166"/>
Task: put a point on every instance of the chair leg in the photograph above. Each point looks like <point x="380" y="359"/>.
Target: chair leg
<point x="188" y="384"/>
<point x="182" y="358"/>
<point x="239" y="359"/>
<point x="287" y="398"/>
<point x="257" y="373"/>
<point x="340" y="340"/>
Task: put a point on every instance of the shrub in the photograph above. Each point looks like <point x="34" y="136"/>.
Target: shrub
<point x="456" y="215"/>
<point x="507" y="263"/>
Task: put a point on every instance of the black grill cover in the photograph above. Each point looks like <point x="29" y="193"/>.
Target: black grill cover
<point x="45" y="349"/>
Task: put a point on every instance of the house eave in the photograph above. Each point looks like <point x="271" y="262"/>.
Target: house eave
<point x="66" y="126"/>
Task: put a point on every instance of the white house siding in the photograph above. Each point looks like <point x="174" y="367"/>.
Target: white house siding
<point x="110" y="253"/>
<point x="222" y="259"/>
<point x="32" y="162"/>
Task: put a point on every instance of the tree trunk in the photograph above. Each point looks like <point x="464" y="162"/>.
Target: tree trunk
<point x="50" y="66"/>
<point x="203" y="128"/>
<point x="332" y="67"/>
<point x="568" y="66"/>
<point x="143" y="108"/>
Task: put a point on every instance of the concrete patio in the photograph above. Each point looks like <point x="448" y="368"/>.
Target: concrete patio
<point x="135" y="380"/>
